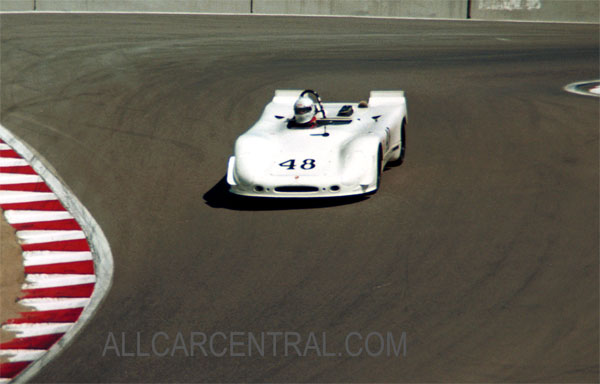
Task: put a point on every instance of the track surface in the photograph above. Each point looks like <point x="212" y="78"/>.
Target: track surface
<point x="482" y="246"/>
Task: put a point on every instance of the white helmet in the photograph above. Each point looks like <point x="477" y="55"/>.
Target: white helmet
<point x="304" y="110"/>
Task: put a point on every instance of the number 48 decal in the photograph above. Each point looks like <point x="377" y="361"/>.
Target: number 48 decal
<point x="306" y="164"/>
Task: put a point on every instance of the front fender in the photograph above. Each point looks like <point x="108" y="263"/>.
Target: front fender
<point x="360" y="161"/>
<point x="230" y="171"/>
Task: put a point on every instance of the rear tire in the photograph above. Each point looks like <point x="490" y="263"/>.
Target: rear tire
<point x="379" y="167"/>
<point x="403" y="143"/>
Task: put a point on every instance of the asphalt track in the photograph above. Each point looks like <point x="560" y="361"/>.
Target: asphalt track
<point x="482" y="246"/>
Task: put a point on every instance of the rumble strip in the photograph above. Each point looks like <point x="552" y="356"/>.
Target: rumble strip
<point x="67" y="261"/>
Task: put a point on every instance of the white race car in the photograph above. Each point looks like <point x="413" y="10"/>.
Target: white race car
<point x="301" y="147"/>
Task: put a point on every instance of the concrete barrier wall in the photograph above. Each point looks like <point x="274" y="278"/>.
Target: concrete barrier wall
<point x="451" y="9"/>
<point x="224" y="6"/>
<point x="537" y="10"/>
<point x="16" y="5"/>
<point x="526" y="10"/>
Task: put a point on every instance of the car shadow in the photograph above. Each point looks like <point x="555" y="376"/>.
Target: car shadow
<point x="220" y="197"/>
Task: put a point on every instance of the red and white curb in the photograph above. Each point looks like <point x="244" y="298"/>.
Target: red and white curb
<point x="66" y="258"/>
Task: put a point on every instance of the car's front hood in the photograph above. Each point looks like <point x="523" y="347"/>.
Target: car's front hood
<point x="308" y="151"/>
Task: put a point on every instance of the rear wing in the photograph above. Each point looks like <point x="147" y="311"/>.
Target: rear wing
<point x="286" y="96"/>
<point x="377" y="98"/>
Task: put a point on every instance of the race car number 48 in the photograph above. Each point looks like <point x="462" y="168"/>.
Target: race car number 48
<point x="306" y="164"/>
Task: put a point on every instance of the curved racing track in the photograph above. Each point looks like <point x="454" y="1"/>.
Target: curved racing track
<point x="482" y="246"/>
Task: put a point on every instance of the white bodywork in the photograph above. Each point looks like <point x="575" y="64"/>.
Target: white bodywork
<point x="274" y="160"/>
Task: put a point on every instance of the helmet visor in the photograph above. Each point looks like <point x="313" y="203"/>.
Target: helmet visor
<point x="302" y="110"/>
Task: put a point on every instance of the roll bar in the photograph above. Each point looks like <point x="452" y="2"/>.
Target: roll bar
<point x="318" y="99"/>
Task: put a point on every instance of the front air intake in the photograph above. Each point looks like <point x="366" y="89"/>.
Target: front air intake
<point x="296" y="188"/>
